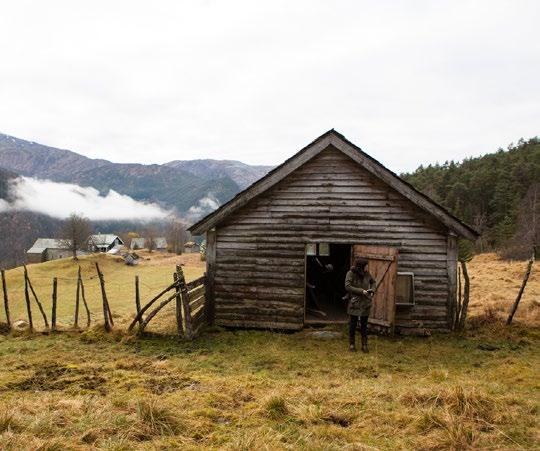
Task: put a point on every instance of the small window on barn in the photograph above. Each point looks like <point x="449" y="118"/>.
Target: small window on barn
<point x="405" y="288"/>
<point x="324" y="249"/>
<point x="321" y="249"/>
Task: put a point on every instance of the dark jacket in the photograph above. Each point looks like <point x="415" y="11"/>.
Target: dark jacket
<point x="355" y="284"/>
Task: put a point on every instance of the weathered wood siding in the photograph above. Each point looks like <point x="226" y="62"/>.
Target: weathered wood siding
<point x="259" y="261"/>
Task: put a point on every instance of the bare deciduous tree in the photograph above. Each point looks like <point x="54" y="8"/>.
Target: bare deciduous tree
<point x="150" y="235"/>
<point x="74" y="232"/>
<point x="176" y="235"/>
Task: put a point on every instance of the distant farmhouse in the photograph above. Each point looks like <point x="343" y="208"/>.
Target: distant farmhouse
<point x="104" y="242"/>
<point x="160" y="244"/>
<point x="45" y="249"/>
<point x="191" y="247"/>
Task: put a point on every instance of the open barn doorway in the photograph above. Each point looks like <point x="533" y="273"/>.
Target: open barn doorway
<point x="326" y="267"/>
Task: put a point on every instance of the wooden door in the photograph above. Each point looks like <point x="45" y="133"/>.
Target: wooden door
<point x="383" y="268"/>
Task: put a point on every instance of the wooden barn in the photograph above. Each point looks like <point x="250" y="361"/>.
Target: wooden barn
<point x="278" y="252"/>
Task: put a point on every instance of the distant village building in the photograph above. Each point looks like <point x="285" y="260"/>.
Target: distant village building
<point x="104" y="242"/>
<point x="191" y="247"/>
<point x="46" y="249"/>
<point x="160" y="244"/>
<point x="137" y="243"/>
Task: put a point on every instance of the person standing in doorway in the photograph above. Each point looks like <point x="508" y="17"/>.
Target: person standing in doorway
<point x="361" y="287"/>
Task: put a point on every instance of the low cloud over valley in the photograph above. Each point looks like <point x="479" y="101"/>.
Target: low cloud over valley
<point x="59" y="200"/>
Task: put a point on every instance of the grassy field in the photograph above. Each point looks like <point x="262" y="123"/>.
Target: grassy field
<point x="495" y="284"/>
<point x="258" y="389"/>
<point x="155" y="272"/>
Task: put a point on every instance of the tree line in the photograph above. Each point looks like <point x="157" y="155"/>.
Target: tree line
<point x="498" y="194"/>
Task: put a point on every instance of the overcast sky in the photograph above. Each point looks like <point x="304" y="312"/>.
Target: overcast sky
<point x="152" y="81"/>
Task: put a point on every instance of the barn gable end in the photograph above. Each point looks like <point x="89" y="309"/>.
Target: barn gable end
<point x="257" y="250"/>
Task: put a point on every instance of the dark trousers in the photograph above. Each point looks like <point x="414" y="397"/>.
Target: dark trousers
<point x="353" y="324"/>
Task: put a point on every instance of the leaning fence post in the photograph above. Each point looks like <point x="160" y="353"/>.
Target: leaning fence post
<point x="106" y="311"/>
<point x="138" y="299"/>
<point x="185" y="302"/>
<point x="178" y="312"/>
<point x="521" y="290"/>
<point x="27" y="299"/>
<point x="53" y="313"/>
<point x="6" y="301"/>
<point x="36" y="299"/>
<point x="88" y="320"/>
<point x="77" y="296"/>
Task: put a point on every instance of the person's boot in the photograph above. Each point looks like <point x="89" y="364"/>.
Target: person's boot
<point x="352" y="346"/>
<point x="364" y="344"/>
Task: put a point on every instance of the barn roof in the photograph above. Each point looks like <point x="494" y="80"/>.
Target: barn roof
<point x="103" y="239"/>
<point x="42" y="244"/>
<point x="338" y="141"/>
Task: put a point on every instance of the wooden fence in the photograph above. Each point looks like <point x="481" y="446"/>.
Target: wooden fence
<point x="189" y="297"/>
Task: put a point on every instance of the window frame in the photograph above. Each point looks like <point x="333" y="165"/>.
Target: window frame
<point x="317" y="250"/>
<point x="413" y="294"/>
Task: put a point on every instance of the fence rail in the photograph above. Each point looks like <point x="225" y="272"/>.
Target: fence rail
<point x="189" y="297"/>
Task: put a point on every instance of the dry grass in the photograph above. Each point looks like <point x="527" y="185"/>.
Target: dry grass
<point x="244" y="390"/>
<point x="254" y="389"/>
<point x="495" y="284"/>
<point x="155" y="273"/>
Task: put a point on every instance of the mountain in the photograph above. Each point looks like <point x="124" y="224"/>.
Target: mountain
<point x="242" y="174"/>
<point x="172" y="185"/>
<point x="36" y="160"/>
<point x="489" y="192"/>
<point x="178" y="184"/>
<point x="5" y="177"/>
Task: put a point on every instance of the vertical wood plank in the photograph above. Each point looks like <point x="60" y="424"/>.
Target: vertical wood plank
<point x="178" y="305"/>
<point x="451" y="267"/>
<point x="42" y="311"/>
<point x="27" y="299"/>
<point x="210" y="275"/>
<point x="106" y="311"/>
<point x="6" y="300"/>
<point x="88" y="318"/>
<point x="138" y="299"/>
<point x="185" y="303"/>
<point x="53" y="312"/>
<point x="77" y="296"/>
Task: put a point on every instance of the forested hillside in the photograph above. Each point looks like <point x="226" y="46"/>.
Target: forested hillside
<point x="493" y="193"/>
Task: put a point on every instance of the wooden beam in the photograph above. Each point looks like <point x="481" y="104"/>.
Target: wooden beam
<point x="6" y="300"/>
<point x="451" y="268"/>
<point x="210" y="275"/>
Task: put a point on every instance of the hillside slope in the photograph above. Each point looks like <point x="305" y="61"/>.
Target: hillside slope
<point x="5" y="177"/>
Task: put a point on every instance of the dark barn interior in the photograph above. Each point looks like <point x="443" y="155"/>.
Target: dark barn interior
<point x="326" y="268"/>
